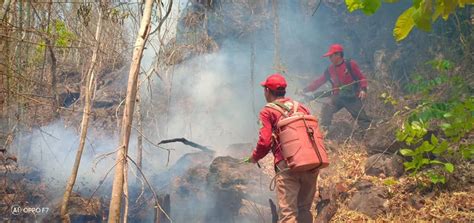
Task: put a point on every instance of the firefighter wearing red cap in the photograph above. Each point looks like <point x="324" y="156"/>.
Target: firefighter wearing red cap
<point x="349" y="88"/>
<point x="295" y="190"/>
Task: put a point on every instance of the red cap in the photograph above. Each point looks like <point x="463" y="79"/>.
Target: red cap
<point x="274" y="82"/>
<point x="334" y="48"/>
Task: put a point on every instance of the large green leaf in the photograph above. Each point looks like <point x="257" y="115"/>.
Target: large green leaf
<point x="404" y="24"/>
<point x="423" y="15"/>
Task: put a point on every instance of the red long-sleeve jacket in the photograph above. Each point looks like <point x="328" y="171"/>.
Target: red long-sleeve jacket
<point x="339" y="76"/>
<point x="268" y="119"/>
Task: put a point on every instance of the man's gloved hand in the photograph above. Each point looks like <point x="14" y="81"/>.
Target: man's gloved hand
<point x="362" y="94"/>
<point x="248" y="160"/>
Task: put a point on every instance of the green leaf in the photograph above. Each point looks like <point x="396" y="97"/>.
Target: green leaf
<point x="448" y="115"/>
<point x="368" y="7"/>
<point x="424" y="161"/>
<point x="449" y="167"/>
<point x="445" y="126"/>
<point x="401" y="136"/>
<point x="404" y="24"/>
<point x="409" y="140"/>
<point x="468" y="152"/>
<point x="435" y="178"/>
<point x="353" y="5"/>
<point x="422" y="16"/>
<point x="446" y="64"/>
<point x="438" y="10"/>
<point x="440" y="148"/>
<point x="409" y="165"/>
<point x="434" y="140"/>
<point x="426" y="147"/>
<point x="449" y="7"/>
<point x="436" y="162"/>
<point x="407" y="152"/>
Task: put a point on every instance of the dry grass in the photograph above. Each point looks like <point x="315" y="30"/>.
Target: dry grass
<point x="435" y="206"/>
<point x="193" y="19"/>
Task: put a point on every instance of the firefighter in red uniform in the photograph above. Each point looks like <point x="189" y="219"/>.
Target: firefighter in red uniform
<point x="349" y="88"/>
<point x="295" y="190"/>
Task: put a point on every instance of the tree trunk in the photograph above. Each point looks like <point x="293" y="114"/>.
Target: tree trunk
<point x="140" y="137"/>
<point x="117" y="187"/>
<point x="85" y="122"/>
<point x="276" y="32"/>
<point x="125" y="193"/>
<point x="4" y="64"/>
<point x="4" y="9"/>
<point x="52" y="67"/>
<point x="252" y="76"/>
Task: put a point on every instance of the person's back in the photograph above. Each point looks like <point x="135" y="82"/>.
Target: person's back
<point x="273" y="115"/>
<point x="295" y="190"/>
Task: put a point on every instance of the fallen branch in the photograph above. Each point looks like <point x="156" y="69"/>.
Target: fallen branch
<point x="188" y="143"/>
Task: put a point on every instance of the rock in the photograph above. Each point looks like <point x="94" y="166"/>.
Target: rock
<point x="182" y="165"/>
<point x="388" y="165"/>
<point x="230" y="182"/>
<point x="370" y="201"/>
<point x="339" y="130"/>
<point x="190" y="184"/>
<point x="328" y="204"/>
<point x="415" y="201"/>
<point x="363" y="185"/>
<point x="382" y="140"/>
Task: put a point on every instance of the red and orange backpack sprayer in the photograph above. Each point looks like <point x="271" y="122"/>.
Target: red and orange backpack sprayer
<point x="300" y="140"/>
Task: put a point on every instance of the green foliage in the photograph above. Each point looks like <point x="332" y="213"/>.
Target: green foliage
<point x="390" y="181"/>
<point x="387" y="98"/>
<point x="39" y="52"/>
<point x="404" y="24"/>
<point x="368" y="7"/>
<point x="64" y="37"/>
<point x="448" y="119"/>
<point x="422" y="14"/>
<point x="59" y="34"/>
<point x="458" y="121"/>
